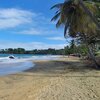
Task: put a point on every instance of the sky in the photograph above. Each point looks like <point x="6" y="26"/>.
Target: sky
<point x="26" y="24"/>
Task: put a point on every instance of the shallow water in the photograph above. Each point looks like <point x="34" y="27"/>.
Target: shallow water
<point x="20" y="63"/>
<point x="11" y="68"/>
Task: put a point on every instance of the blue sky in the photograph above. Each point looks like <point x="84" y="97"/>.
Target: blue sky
<point x="26" y="24"/>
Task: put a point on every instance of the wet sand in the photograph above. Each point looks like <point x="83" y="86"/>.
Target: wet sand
<point x="62" y="79"/>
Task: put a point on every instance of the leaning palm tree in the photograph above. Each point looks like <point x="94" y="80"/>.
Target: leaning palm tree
<point x="71" y="11"/>
<point x="84" y="7"/>
<point x="77" y="20"/>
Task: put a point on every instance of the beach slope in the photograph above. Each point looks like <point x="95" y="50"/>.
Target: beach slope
<point x="63" y="79"/>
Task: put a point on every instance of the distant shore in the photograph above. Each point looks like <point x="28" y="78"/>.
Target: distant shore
<point x="53" y="80"/>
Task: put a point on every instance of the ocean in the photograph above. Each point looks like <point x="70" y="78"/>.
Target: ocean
<point x="20" y="62"/>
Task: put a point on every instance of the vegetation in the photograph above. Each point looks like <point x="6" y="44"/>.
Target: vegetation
<point x="80" y="19"/>
<point x="72" y="49"/>
<point x="23" y="51"/>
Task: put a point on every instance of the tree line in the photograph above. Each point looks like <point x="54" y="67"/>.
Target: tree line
<point x="35" y="51"/>
<point x="71" y="49"/>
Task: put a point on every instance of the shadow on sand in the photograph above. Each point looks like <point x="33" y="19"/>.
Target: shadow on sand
<point x="60" y="68"/>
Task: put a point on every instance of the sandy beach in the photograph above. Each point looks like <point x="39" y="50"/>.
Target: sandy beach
<point x="62" y="79"/>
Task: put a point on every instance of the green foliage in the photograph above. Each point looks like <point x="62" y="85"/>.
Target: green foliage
<point x="82" y="49"/>
<point x="40" y="52"/>
<point x="13" y="51"/>
<point x="81" y="20"/>
<point x="72" y="16"/>
<point x="71" y="49"/>
<point x="76" y="49"/>
<point x="98" y="53"/>
<point x="77" y="23"/>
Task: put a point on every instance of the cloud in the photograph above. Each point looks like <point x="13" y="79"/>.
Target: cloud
<point x="11" y="17"/>
<point x="30" y="23"/>
<point x="31" y="45"/>
<point x="26" y="22"/>
<point x="39" y="31"/>
<point x="31" y="31"/>
<point x="56" y="38"/>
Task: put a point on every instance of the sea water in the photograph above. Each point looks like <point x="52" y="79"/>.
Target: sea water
<point x="20" y="63"/>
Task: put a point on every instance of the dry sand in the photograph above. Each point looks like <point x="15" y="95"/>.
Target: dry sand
<point x="64" y="79"/>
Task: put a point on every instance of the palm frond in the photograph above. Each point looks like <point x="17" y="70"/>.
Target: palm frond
<point x="66" y="28"/>
<point x="57" y="11"/>
<point x="55" y="17"/>
<point x="59" y="23"/>
<point x="89" y="13"/>
<point x="91" y="6"/>
<point x="75" y="19"/>
<point x="57" y="6"/>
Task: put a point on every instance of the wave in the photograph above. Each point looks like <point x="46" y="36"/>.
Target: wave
<point x="11" y="66"/>
<point x="21" y="59"/>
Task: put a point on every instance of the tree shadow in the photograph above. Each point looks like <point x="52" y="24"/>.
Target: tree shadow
<point x="59" y="68"/>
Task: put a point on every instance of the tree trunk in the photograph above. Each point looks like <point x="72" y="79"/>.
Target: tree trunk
<point x="90" y="51"/>
<point x="92" y="56"/>
<point x="89" y="14"/>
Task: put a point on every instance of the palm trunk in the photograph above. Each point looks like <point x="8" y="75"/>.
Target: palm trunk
<point x="90" y="51"/>
<point x="89" y="14"/>
<point x="92" y="56"/>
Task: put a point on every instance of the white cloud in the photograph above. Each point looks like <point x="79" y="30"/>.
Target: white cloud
<point x="56" y="38"/>
<point x="31" y="31"/>
<point x="39" y="31"/>
<point x="31" y="45"/>
<point x="10" y="18"/>
<point x="29" y="23"/>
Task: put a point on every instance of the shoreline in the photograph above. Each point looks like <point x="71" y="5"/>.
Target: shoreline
<point x="13" y="66"/>
<point x="52" y="80"/>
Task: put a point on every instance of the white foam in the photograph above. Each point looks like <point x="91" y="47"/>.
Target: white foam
<point x="16" y="60"/>
<point x="47" y="57"/>
<point x="10" y="66"/>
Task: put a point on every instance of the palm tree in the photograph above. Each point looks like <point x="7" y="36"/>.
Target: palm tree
<point x="78" y="19"/>
<point x="89" y="13"/>
<point x="84" y="7"/>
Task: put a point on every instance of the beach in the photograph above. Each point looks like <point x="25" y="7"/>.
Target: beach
<point x="60" y="79"/>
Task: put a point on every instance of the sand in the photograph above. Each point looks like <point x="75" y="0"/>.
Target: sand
<point x="63" y="79"/>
